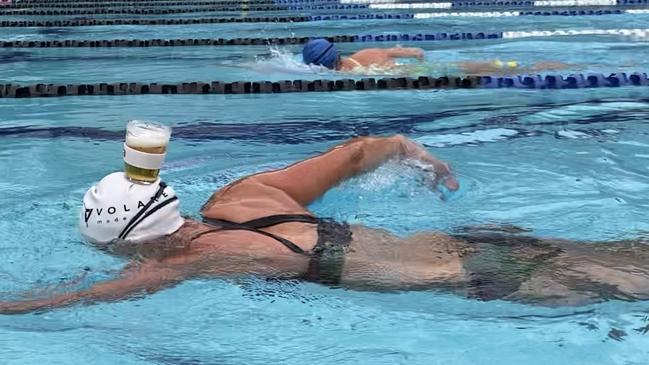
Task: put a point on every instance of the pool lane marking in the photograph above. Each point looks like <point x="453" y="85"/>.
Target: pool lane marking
<point x="469" y="3"/>
<point x="382" y="4"/>
<point x="497" y="14"/>
<point x="411" y="6"/>
<point x="638" y="32"/>
<point x="479" y="14"/>
<point x="576" y="3"/>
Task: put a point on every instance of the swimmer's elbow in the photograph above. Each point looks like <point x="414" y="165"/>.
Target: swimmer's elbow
<point x="357" y="157"/>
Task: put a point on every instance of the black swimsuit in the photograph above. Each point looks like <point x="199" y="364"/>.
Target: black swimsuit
<point x="498" y="263"/>
<point x="326" y="257"/>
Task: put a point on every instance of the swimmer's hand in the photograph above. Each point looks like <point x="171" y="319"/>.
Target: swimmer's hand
<point x="440" y="170"/>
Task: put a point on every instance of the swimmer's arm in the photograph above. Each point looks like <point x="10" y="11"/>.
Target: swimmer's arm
<point x="307" y="180"/>
<point x="405" y="52"/>
<point x="482" y="67"/>
<point x="479" y="67"/>
<point x="136" y="280"/>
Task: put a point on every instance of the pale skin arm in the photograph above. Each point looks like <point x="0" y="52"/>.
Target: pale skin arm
<point x="405" y="52"/>
<point x="307" y="180"/>
<point x="145" y="278"/>
<point x="492" y="67"/>
<point x="381" y="57"/>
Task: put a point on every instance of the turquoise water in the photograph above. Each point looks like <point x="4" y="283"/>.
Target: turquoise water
<point x="563" y="164"/>
<point x="236" y="63"/>
<point x="570" y="164"/>
<point x="604" y="54"/>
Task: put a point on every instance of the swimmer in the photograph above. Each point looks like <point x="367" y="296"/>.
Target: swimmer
<point x="321" y="52"/>
<point x="260" y="225"/>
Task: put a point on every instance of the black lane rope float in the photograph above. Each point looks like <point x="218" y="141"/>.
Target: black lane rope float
<point x="155" y="1"/>
<point x="162" y="11"/>
<point x="97" y="22"/>
<point x="575" y="81"/>
<point x="105" y="3"/>
<point x="403" y="37"/>
<point x="141" y="5"/>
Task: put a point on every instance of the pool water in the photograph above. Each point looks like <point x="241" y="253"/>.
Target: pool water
<point x="570" y="164"/>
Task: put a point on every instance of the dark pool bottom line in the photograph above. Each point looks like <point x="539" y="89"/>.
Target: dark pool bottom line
<point x="574" y="81"/>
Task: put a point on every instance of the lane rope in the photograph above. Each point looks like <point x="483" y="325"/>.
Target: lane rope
<point x="163" y="11"/>
<point x="541" y="82"/>
<point x="166" y="3"/>
<point x="311" y="18"/>
<point x="401" y="37"/>
<point x="136" y="8"/>
<point x="365" y="38"/>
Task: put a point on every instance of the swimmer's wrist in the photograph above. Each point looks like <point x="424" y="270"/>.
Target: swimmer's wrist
<point x="400" y="144"/>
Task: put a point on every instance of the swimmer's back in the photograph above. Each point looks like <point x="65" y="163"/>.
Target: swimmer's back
<point x="373" y="57"/>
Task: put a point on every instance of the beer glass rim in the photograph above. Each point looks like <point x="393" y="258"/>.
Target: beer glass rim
<point x="149" y="125"/>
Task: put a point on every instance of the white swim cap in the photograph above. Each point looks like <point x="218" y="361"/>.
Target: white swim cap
<point x="119" y="208"/>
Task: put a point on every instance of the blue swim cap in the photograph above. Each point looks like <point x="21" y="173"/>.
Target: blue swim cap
<point x="320" y="52"/>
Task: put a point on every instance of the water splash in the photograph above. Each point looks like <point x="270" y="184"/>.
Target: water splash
<point x="284" y="61"/>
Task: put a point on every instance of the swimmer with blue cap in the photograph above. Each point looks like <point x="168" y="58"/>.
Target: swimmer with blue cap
<point x="321" y="52"/>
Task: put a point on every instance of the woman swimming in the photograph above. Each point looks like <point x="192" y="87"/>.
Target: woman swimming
<point x="259" y="225"/>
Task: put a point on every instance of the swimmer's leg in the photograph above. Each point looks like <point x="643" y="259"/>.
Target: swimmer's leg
<point x="499" y="266"/>
<point x="589" y="272"/>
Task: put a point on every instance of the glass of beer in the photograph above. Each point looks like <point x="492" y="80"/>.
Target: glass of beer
<point x="145" y="149"/>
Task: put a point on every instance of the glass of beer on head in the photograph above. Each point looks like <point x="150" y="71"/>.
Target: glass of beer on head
<point x="144" y="150"/>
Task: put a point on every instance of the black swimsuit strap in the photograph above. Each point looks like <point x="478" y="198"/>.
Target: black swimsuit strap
<point x="272" y="220"/>
<point x="254" y="225"/>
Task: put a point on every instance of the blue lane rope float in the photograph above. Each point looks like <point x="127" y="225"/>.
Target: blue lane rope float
<point x="542" y="82"/>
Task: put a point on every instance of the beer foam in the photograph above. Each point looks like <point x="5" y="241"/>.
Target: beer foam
<point x="147" y="134"/>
